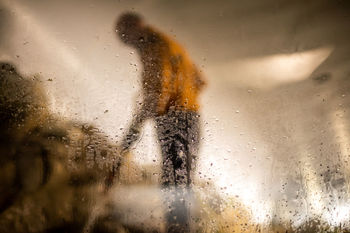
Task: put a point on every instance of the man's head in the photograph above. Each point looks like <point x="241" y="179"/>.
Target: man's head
<point x="130" y="27"/>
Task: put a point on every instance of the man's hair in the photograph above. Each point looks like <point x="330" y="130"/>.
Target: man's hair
<point x="128" y="20"/>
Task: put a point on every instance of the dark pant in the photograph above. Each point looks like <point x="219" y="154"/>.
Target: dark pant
<point x="178" y="134"/>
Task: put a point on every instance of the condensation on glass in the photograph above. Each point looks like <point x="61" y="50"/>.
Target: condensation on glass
<point x="184" y="116"/>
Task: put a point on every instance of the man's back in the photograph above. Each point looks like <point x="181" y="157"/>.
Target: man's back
<point x="170" y="78"/>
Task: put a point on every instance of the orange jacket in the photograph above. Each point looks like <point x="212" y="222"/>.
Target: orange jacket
<point x="171" y="77"/>
<point x="181" y="81"/>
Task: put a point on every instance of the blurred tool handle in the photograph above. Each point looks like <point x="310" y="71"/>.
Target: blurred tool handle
<point x="114" y="173"/>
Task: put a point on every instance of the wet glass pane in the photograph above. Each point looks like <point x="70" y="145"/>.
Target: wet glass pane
<point x="174" y="116"/>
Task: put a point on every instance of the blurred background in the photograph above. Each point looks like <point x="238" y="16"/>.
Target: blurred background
<point x="274" y="153"/>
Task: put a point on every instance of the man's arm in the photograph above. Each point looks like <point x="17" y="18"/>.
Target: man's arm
<point x="132" y="134"/>
<point x="143" y="112"/>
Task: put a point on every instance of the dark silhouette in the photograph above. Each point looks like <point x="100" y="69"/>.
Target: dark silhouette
<point x="48" y="165"/>
<point x="171" y="84"/>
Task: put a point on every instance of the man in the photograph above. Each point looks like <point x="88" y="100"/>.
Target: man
<point x="171" y="85"/>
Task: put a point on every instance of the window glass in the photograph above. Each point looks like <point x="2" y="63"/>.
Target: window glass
<point x="174" y="116"/>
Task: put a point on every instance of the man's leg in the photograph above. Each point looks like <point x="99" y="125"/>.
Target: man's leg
<point x="192" y="139"/>
<point x="177" y="133"/>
